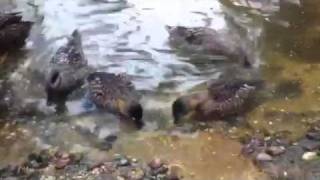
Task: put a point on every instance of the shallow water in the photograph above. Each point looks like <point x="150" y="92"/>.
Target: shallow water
<point x="130" y="36"/>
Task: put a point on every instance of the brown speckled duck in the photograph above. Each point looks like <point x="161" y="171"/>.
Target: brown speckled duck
<point x="115" y="94"/>
<point x="13" y="31"/>
<point x="206" y="41"/>
<point x="68" y="70"/>
<point x="221" y="99"/>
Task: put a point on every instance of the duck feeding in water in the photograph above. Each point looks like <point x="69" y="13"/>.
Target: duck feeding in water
<point x="220" y="100"/>
<point x="115" y="94"/>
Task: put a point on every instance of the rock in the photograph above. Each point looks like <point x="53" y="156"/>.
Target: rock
<point x="252" y="146"/>
<point x="134" y="160"/>
<point x="275" y="150"/>
<point x="120" y="178"/>
<point x="309" y="144"/>
<point x="70" y="167"/>
<point x="124" y="162"/>
<point x="313" y="135"/>
<point x="263" y="157"/>
<point x="308" y="156"/>
<point x="156" y="163"/>
<point x="61" y="160"/>
<point x="161" y="170"/>
<point x="136" y="174"/>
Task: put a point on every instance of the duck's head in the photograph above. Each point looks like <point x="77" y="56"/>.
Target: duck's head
<point x="135" y="112"/>
<point x="179" y="35"/>
<point x="186" y="106"/>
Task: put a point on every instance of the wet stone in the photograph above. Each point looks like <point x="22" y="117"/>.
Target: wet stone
<point x="313" y="135"/>
<point x="263" y="157"/>
<point x="309" y="144"/>
<point x="275" y="150"/>
<point x="62" y="160"/>
<point x="136" y="174"/>
<point x="308" y="156"/>
<point x="156" y="163"/>
<point x="124" y="162"/>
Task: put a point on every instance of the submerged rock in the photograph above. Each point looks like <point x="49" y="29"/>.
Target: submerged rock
<point x="263" y="157"/>
<point x="309" y="156"/>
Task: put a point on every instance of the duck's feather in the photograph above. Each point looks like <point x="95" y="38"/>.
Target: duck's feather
<point x="71" y="53"/>
<point x="107" y="90"/>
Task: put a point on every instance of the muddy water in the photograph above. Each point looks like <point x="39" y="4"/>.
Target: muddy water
<point x="130" y="36"/>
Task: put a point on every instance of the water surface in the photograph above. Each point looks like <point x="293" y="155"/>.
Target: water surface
<point x="131" y="37"/>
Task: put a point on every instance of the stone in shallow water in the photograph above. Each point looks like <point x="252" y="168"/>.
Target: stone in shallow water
<point x="309" y="156"/>
<point x="313" y="136"/>
<point x="155" y="163"/>
<point x="275" y="150"/>
<point x="263" y="157"/>
<point x="309" y="144"/>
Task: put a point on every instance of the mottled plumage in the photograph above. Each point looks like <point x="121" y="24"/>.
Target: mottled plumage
<point x="227" y="98"/>
<point x="202" y="40"/>
<point x="13" y="31"/>
<point x="116" y="94"/>
<point x="68" y="70"/>
<point x="220" y="100"/>
<point x="71" y="54"/>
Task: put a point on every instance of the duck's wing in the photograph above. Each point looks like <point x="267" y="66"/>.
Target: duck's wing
<point x="223" y="91"/>
<point x="71" y="53"/>
<point x="107" y="89"/>
<point x="227" y="98"/>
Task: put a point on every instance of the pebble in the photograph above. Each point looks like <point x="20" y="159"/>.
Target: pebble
<point x="307" y="156"/>
<point x="275" y="150"/>
<point x="124" y="162"/>
<point x="62" y="160"/>
<point x="313" y="135"/>
<point x="156" y="163"/>
<point x="136" y="174"/>
<point x="309" y="144"/>
<point x="120" y="178"/>
<point x="263" y="157"/>
<point x="134" y="160"/>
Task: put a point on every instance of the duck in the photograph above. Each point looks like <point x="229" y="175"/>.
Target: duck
<point x="116" y="94"/>
<point x="220" y="100"/>
<point x="68" y="70"/>
<point x="13" y="31"/>
<point x="207" y="41"/>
